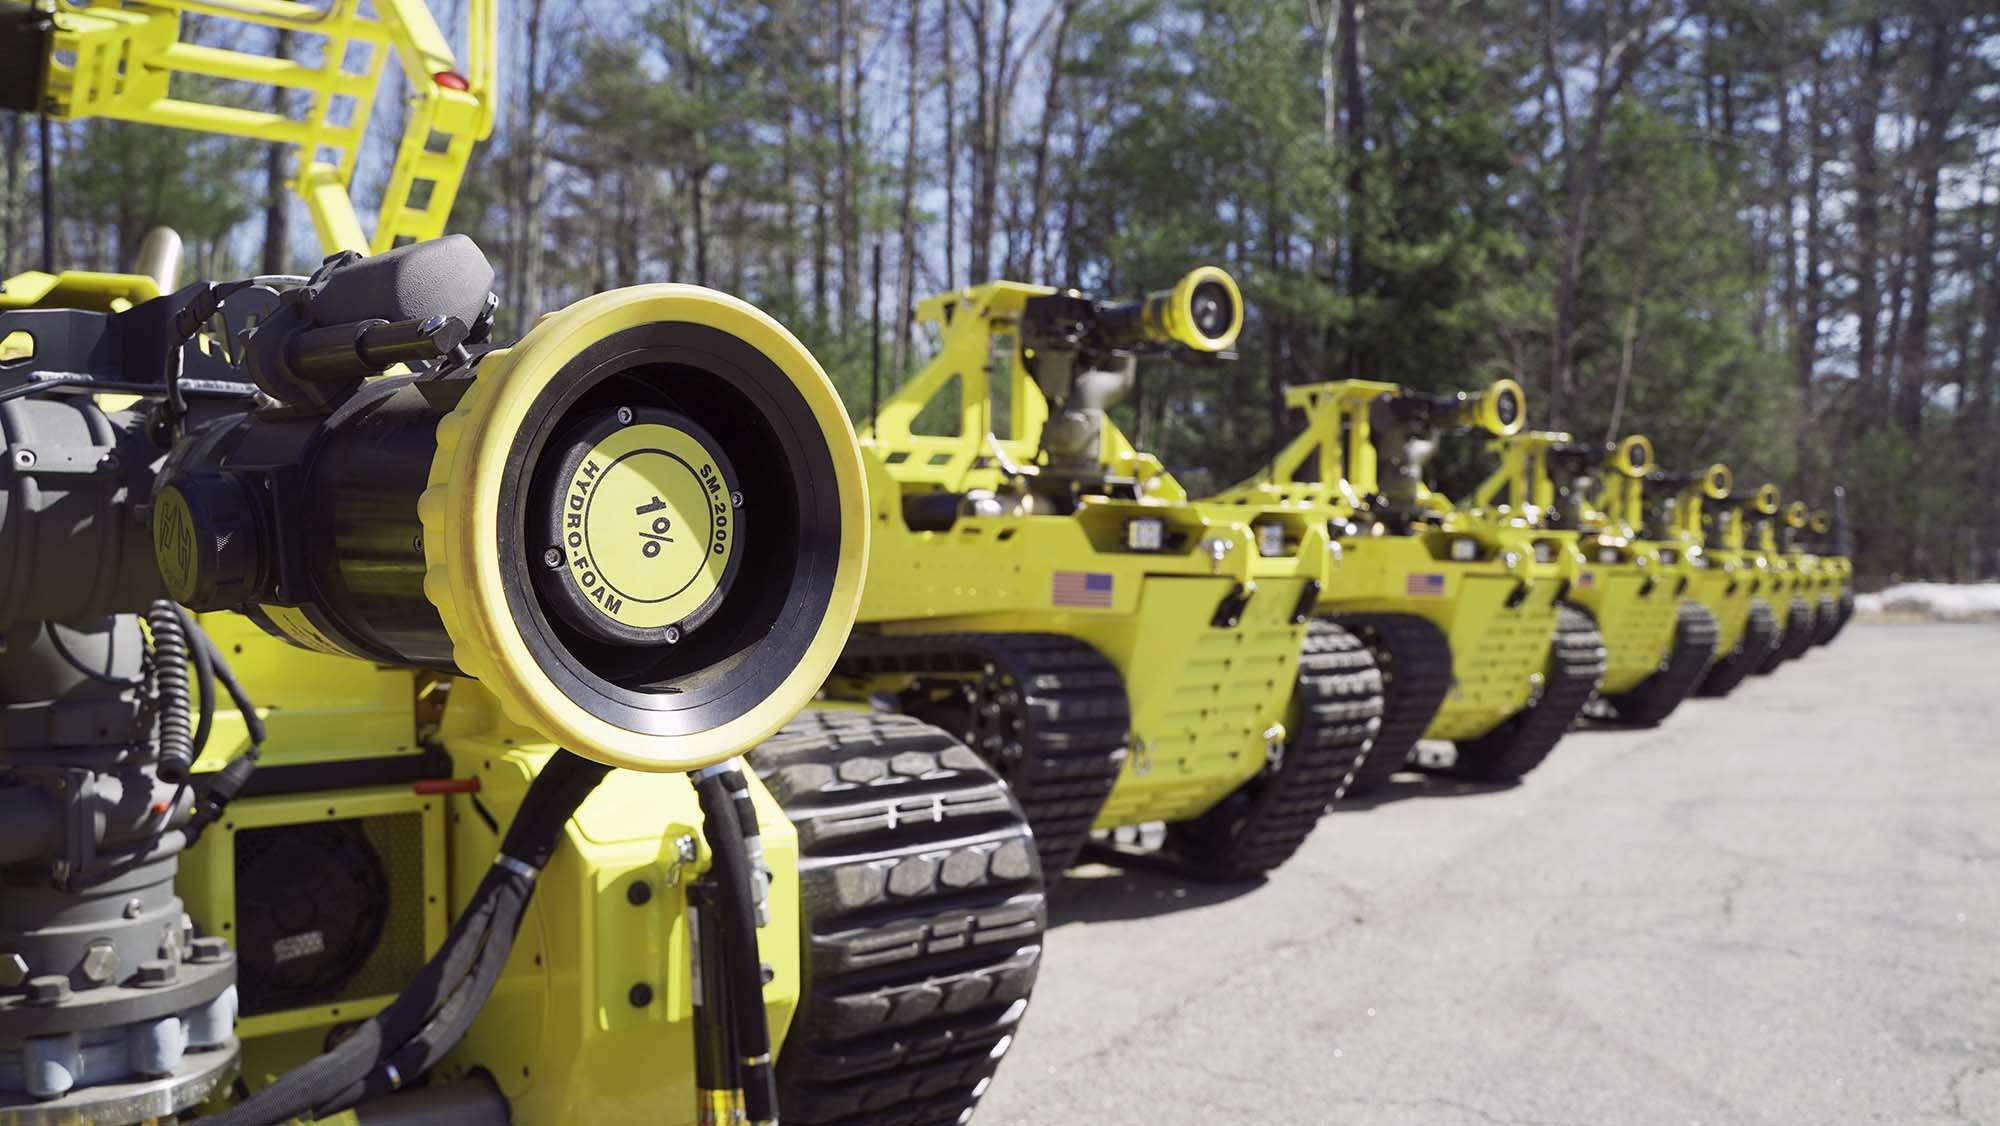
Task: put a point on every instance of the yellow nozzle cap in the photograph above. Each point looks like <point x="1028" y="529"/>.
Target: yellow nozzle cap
<point x="1634" y="456"/>
<point x="1821" y="522"/>
<point x="1717" y="481"/>
<point x="1766" y="500"/>
<point x="1502" y="409"/>
<point x="1797" y="515"/>
<point x="1205" y="310"/>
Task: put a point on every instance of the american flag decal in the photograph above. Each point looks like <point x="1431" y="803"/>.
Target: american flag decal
<point x="1586" y="579"/>
<point x="1082" y="588"/>
<point x="1424" y="586"/>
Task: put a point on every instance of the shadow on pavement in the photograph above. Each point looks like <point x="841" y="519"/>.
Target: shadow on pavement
<point x="1418" y="783"/>
<point x="1109" y="886"/>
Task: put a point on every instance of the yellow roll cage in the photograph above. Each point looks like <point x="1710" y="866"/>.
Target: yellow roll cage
<point x="118" y="60"/>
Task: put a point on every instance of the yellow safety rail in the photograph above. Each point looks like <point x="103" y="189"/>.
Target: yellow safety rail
<point x="121" y="61"/>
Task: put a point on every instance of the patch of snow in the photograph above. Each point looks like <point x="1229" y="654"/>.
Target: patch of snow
<point x="1942" y="601"/>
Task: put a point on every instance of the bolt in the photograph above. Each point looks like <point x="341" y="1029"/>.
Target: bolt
<point x="641" y="995"/>
<point x="552" y="558"/>
<point x="48" y="989"/>
<point x="209" y="948"/>
<point x="110" y="461"/>
<point x="736" y="499"/>
<point x="673" y="635"/>
<point x="134" y="908"/>
<point x="24" y="459"/>
<point x="13" y="970"/>
<point x="417" y="544"/>
<point x="638" y="892"/>
<point x="100" y="962"/>
<point x="157" y="972"/>
<point x="624" y="416"/>
<point x="684" y="848"/>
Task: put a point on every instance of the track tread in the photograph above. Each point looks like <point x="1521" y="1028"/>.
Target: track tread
<point x="1845" y="605"/>
<point x="1576" y="665"/>
<point x="1067" y="714"/>
<point x="1794" y="637"/>
<point x="1826" y="619"/>
<point x="1656" y="697"/>
<point x="1260" y="826"/>
<point x="922" y="911"/>
<point x="1414" y="657"/>
<point x="1760" y="636"/>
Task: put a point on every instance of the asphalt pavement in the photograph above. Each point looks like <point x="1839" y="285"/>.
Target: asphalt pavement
<point x="1783" y="906"/>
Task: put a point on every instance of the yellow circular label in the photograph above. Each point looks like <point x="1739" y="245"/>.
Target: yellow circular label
<point x="648" y="526"/>
<point x="173" y="543"/>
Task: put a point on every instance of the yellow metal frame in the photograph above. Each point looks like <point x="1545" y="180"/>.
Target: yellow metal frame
<point x="1497" y="609"/>
<point x="1207" y="701"/>
<point x="121" y="61"/>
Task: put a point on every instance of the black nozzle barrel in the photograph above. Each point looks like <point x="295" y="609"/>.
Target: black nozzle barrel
<point x="343" y="351"/>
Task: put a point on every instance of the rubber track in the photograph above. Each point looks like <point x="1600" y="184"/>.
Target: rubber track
<point x="1846" y="605"/>
<point x="1576" y="665"/>
<point x="1658" y="695"/>
<point x="1760" y="636"/>
<point x="1069" y="719"/>
<point x="1414" y="657"/>
<point x="1826" y="619"/>
<point x="1261" y="825"/>
<point x="1794" y="639"/>
<point x="922" y="912"/>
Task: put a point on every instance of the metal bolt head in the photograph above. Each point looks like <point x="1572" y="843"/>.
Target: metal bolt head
<point x="209" y="948"/>
<point x="552" y="558"/>
<point x="134" y="907"/>
<point x="13" y="970"/>
<point x="158" y="971"/>
<point x="673" y="635"/>
<point x="24" y="459"/>
<point x="100" y="962"/>
<point x="684" y="848"/>
<point x="624" y="416"/>
<point x="736" y="499"/>
<point x="48" y="989"/>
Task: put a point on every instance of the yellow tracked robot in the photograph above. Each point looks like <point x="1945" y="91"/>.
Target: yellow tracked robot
<point x="1463" y="617"/>
<point x="1045" y="590"/>
<point x="1657" y="641"/>
<point x="641" y="528"/>
<point x="1819" y="559"/>
<point x="1674" y="513"/>
<point x="1792" y="583"/>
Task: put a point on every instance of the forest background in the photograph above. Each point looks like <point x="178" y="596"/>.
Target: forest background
<point x="1765" y="233"/>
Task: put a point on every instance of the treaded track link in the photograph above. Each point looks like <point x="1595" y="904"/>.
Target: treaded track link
<point x="1414" y="657"/>
<point x="1760" y="636"/>
<point x="1656" y="697"/>
<point x="1338" y="709"/>
<point x="1576" y="664"/>
<point x="1048" y="712"/>
<point x="1846" y="611"/>
<point x="1826" y="619"/>
<point x="922" y="912"/>
<point x="1793" y="639"/>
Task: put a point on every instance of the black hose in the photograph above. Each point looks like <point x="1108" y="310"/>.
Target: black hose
<point x="170" y="681"/>
<point x="203" y="652"/>
<point x="448" y="992"/>
<point x="253" y="724"/>
<point x="735" y="882"/>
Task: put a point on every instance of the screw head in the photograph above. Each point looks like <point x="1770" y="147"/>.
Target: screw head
<point x="638" y="893"/>
<point x="48" y="989"/>
<point x="640" y="995"/>
<point x="24" y="459"/>
<point x="156" y="972"/>
<point x="736" y="499"/>
<point x="13" y="970"/>
<point x="209" y="948"/>
<point x="624" y="416"/>
<point x="673" y="635"/>
<point x="100" y="962"/>
<point x="134" y="908"/>
<point x="552" y="558"/>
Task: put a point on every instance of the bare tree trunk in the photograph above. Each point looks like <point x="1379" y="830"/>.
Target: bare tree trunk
<point x="1351" y="16"/>
<point x="1867" y="189"/>
<point x="906" y="230"/>
<point x="1051" y="112"/>
<point x="846" y="108"/>
<point x="1928" y="151"/>
<point x="951" y="277"/>
<point x="981" y="233"/>
<point x="12" y="206"/>
<point x="277" y="201"/>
